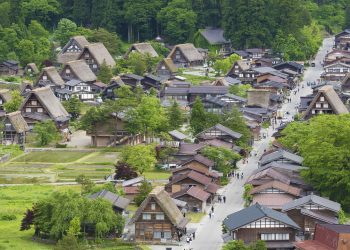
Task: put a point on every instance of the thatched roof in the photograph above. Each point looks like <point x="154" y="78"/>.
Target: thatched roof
<point x="50" y="102"/>
<point x="332" y="98"/>
<point x="33" y="67"/>
<point x="81" y="70"/>
<point x="18" y="122"/>
<point x="5" y="95"/>
<point x="169" y="65"/>
<point x="189" y="51"/>
<point x="168" y="206"/>
<point x="100" y="53"/>
<point x="53" y="75"/>
<point x="143" y="48"/>
<point x="64" y="57"/>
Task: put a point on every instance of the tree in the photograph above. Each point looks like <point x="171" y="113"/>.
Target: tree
<point x="234" y="245"/>
<point x="144" y="189"/>
<point x="5" y="9"/>
<point x="15" y="102"/>
<point x="87" y="185"/>
<point x="40" y="10"/>
<point x="68" y="242"/>
<point x="240" y="90"/>
<point x="222" y="66"/>
<point x="105" y="74"/>
<point x="140" y="157"/>
<point x="224" y="159"/>
<point x="347" y="17"/>
<point x="73" y="106"/>
<point x="197" y="117"/>
<point x="65" y="29"/>
<point x="110" y="40"/>
<point x="46" y="132"/>
<point x="324" y="144"/>
<point x="247" y="197"/>
<point x="123" y="171"/>
<point x="25" y="51"/>
<point x="175" y="116"/>
<point x="27" y="220"/>
<point x="74" y="227"/>
<point x="178" y="21"/>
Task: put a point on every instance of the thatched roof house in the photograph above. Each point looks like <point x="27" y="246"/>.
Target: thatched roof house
<point x="186" y="55"/>
<point x="96" y="53"/>
<point x="78" y="70"/>
<point x="49" y="77"/>
<point x="72" y="49"/>
<point x="143" y="48"/>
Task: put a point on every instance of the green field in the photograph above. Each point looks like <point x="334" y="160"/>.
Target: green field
<point x="52" y="156"/>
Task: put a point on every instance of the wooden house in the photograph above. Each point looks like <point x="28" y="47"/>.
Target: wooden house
<point x="132" y="80"/>
<point x="226" y="81"/>
<point x="326" y="101"/>
<point x="219" y="132"/>
<point x="275" y="194"/>
<point x="337" y="55"/>
<point x="206" y="91"/>
<point x="259" y="98"/>
<point x="40" y="105"/>
<point x="5" y="96"/>
<point x="200" y="162"/>
<point x="185" y="169"/>
<point x="9" y="68"/>
<point x="25" y="88"/>
<point x="342" y="40"/>
<point x="131" y="187"/>
<point x="310" y="210"/>
<point x="112" y="132"/>
<point x="109" y="91"/>
<point x="281" y="156"/>
<point x="335" y="71"/>
<point x="238" y="67"/>
<point x="327" y="237"/>
<point x="151" y="81"/>
<point x="158" y="219"/>
<point x="214" y="105"/>
<point x="119" y="204"/>
<point x="166" y="68"/>
<point x="49" y="77"/>
<point x="195" y="197"/>
<point x="234" y="100"/>
<point x="77" y="70"/>
<point x="186" y="55"/>
<point x="264" y="62"/>
<point x="255" y="53"/>
<point x="143" y="48"/>
<point x="177" y="135"/>
<point x="31" y="70"/>
<point x="262" y="223"/>
<point x="14" y="129"/>
<point x="72" y="49"/>
<point x="97" y="87"/>
<point x="190" y="179"/>
<point x="214" y="40"/>
<point x="95" y="54"/>
<point x="290" y="65"/>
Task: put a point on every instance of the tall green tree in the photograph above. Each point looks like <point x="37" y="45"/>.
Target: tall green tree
<point x="105" y="74"/>
<point x="175" y="116"/>
<point x="140" y="157"/>
<point x="145" y="189"/>
<point x="198" y="117"/>
<point x="25" y="51"/>
<point x="15" y="102"/>
<point x="73" y="106"/>
<point x="65" y="29"/>
<point x="46" y="132"/>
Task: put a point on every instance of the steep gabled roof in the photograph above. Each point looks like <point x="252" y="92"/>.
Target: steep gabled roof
<point x="201" y="159"/>
<point x="253" y="213"/>
<point x="81" y="70"/>
<point x="195" y="168"/>
<point x="331" y="205"/>
<point x="214" y="36"/>
<point x="100" y="53"/>
<point x="18" y="122"/>
<point x="271" y="173"/>
<point x="332" y="98"/>
<point x="195" y="192"/>
<point x="5" y="94"/>
<point x="116" y="200"/>
<point x="33" y="67"/>
<point x="277" y="185"/>
<point x="168" y="206"/>
<point x="52" y="73"/>
<point x="143" y="48"/>
<point x="189" y="51"/>
<point x="169" y="64"/>
<point x="50" y="102"/>
<point x="281" y="155"/>
<point x="64" y="57"/>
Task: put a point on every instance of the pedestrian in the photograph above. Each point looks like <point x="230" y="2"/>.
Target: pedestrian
<point x="212" y="214"/>
<point x="242" y="175"/>
<point x="209" y="214"/>
<point x="193" y="235"/>
<point x="219" y="198"/>
<point x="188" y="239"/>
<point x="238" y="176"/>
<point x="212" y="208"/>
<point x="224" y="198"/>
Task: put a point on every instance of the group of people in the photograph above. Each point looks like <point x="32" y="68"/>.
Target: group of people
<point x="190" y="237"/>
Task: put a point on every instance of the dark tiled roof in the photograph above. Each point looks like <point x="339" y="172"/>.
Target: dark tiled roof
<point x="235" y="97"/>
<point x="208" y="89"/>
<point x="177" y="134"/>
<point x="253" y="213"/>
<point x="116" y="200"/>
<point x="190" y="148"/>
<point x="224" y="129"/>
<point x="331" y="205"/>
<point x="279" y="155"/>
<point x="319" y="216"/>
<point x="201" y="159"/>
<point x="195" y="192"/>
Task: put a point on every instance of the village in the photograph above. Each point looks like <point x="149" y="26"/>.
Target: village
<point x="219" y="175"/>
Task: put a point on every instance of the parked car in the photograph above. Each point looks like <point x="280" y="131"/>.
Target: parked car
<point x="168" y="166"/>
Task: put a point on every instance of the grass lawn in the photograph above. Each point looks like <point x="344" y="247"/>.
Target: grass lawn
<point x="15" y="201"/>
<point x="195" y="217"/>
<point x="102" y="157"/>
<point x="157" y="175"/>
<point x="52" y="156"/>
<point x="196" y="80"/>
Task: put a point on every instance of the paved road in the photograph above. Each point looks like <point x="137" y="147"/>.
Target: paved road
<point x="209" y="234"/>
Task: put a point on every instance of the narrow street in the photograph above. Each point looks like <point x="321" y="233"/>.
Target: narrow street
<point x="209" y="231"/>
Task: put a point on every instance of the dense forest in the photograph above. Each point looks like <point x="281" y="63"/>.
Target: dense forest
<point x="292" y="28"/>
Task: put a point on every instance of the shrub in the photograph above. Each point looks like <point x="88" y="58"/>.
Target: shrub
<point x="7" y="217"/>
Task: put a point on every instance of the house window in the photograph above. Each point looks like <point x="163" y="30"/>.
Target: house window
<point x="78" y="88"/>
<point x="161" y="235"/>
<point x="0" y="101"/>
<point x="157" y="235"/>
<point x="146" y="216"/>
<point x="29" y="70"/>
<point x="163" y="67"/>
<point x="28" y="110"/>
<point x="67" y="71"/>
<point x="325" y="105"/>
<point x="313" y="111"/>
<point x="87" y="55"/>
<point x="8" y="125"/>
<point x="142" y="232"/>
<point x="318" y="105"/>
<point x="160" y="216"/>
<point x="94" y="66"/>
<point x="44" y="78"/>
<point x="34" y="103"/>
<point x="271" y="237"/>
<point x="153" y="206"/>
<point x="240" y="75"/>
<point x="322" y="98"/>
<point x="84" y="88"/>
<point x="40" y="110"/>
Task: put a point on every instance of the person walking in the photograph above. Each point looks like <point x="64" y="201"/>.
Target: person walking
<point x="210" y="215"/>
<point x="193" y="235"/>
<point x="224" y="198"/>
<point x="242" y="175"/>
<point x="212" y="208"/>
